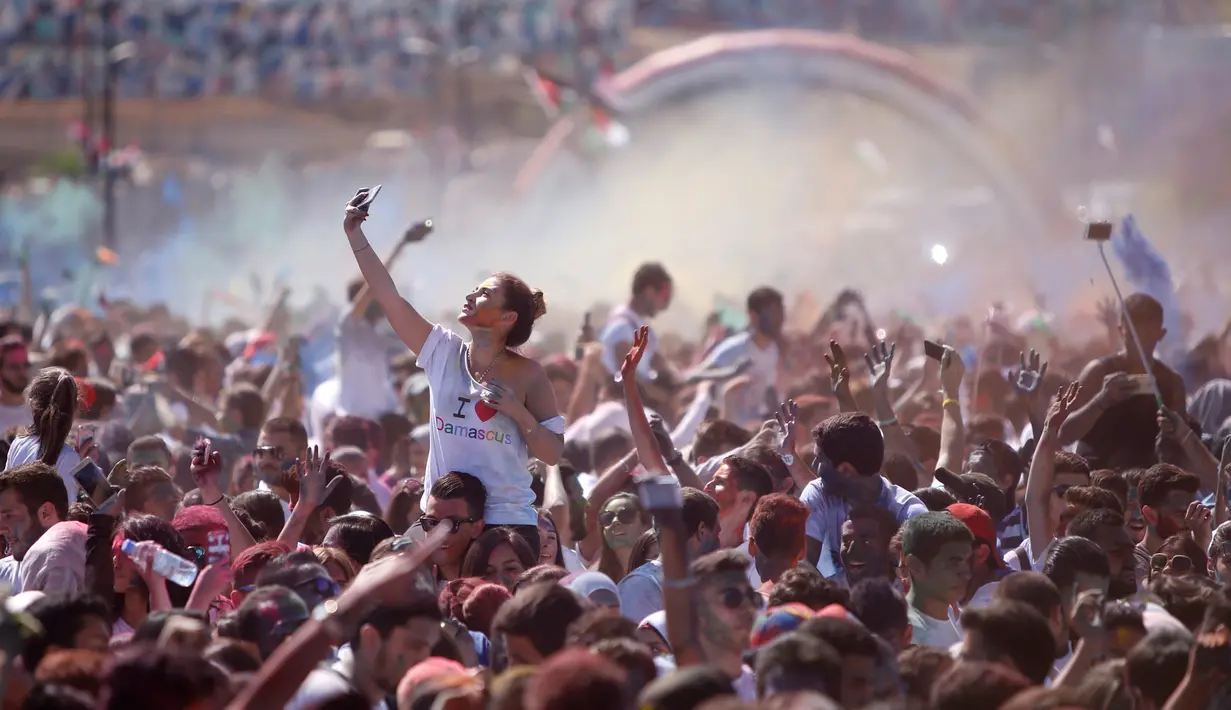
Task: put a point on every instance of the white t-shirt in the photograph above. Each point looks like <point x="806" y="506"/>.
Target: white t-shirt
<point x="937" y="633"/>
<point x="828" y="513"/>
<point x="8" y="575"/>
<point x="621" y="325"/>
<point x="14" y="417"/>
<point x="982" y="596"/>
<point x="470" y="437"/>
<point x="1014" y="562"/>
<point x="763" y="371"/>
<point x="25" y="450"/>
<point x="365" y="385"/>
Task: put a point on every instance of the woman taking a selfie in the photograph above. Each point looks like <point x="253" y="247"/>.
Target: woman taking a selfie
<point x="491" y="408"/>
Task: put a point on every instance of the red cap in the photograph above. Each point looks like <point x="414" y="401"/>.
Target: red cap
<point x="980" y="525"/>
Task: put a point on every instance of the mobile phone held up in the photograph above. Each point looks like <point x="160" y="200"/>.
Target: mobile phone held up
<point x="368" y="198"/>
<point x="87" y="474"/>
<point x="1098" y="231"/>
<point x="934" y="350"/>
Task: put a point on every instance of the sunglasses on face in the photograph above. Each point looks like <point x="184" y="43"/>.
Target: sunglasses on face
<point x="198" y="553"/>
<point x="324" y="587"/>
<point x="626" y="516"/>
<point x="1061" y="489"/>
<point x="734" y="597"/>
<point x="429" y="524"/>
<point x="1178" y="563"/>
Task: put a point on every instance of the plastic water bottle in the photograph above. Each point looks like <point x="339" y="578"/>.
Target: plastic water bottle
<point x="174" y="568"/>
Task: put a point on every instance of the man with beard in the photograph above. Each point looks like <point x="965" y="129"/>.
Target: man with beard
<point x="388" y="643"/>
<point x="281" y="442"/>
<point x="32" y="499"/>
<point x="1167" y="494"/>
<point x="865" y="546"/>
<point x="727" y="607"/>
<point x="14" y="377"/>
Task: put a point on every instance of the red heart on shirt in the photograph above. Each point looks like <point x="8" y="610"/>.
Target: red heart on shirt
<point x="484" y="411"/>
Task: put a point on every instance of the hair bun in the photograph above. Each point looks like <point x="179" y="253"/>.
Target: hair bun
<point x="540" y="305"/>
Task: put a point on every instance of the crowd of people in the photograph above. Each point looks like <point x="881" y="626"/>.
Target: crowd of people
<point x="303" y="49"/>
<point x="312" y="49"/>
<point x="1017" y="518"/>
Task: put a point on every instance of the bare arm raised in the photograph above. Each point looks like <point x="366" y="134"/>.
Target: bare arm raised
<point x="408" y="323"/>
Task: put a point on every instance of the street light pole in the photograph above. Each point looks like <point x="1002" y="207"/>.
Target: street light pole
<point x="108" y="137"/>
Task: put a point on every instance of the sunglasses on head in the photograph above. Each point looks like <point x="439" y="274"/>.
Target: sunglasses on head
<point x="734" y="597"/>
<point x="626" y="516"/>
<point x="323" y="586"/>
<point x="429" y="523"/>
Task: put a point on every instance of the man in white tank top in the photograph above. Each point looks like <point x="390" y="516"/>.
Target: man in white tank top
<point x="651" y="295"/>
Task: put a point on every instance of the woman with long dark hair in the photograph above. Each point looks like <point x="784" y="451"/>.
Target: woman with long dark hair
<point x="621" y="524"/>
<point x="52" y="397"/>
<point x="491" y="407"/>
<point x="499" y="556"/>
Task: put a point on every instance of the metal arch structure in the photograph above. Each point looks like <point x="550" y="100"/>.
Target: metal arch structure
<point x="830" y="62"/>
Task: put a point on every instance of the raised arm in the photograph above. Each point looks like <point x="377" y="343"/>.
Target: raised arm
<point x="1043" y="469"/>
<point x="880" y="364"/>
<point x="952" y="429"/>
<point x="643" y="436"/>
<point x="1099" y="390"/>
<point x="408" y="323"/>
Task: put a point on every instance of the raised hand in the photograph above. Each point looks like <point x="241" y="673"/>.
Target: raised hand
<point x="354" y="216"/>
<point x="1197" y="518"/>
<point x="839" y="373"/>
<point x="1108" y="313"/>
<point x="788" y="418"/>
<point x="952" y="370"/>
<point x="658" y="426"/>
<point x="1030" y="376"/>
<point x="880" y="364"/>
<point x="641" y="340"/>
<point x="1172" y="426"/>
<point x="206" y="469"/>
<point x="1087" y="616"/>
<point x="1061" y="409"/>
<point x="313" y="491"/>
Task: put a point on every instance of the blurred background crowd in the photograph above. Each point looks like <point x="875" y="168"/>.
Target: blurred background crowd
<point x="324" y="48"/>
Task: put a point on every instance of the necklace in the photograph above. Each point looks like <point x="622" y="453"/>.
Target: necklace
<point x="483" y="377"/>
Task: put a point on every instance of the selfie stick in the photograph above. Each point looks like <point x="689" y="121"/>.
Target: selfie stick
<point x="1132" y="329"/>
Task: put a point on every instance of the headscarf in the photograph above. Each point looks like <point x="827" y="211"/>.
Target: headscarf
<point x="595" y="587"/>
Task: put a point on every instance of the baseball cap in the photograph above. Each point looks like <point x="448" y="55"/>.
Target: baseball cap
<point x="980" y="525"/>
<point x="779" y="620"/>
<point x="977" y="489"/>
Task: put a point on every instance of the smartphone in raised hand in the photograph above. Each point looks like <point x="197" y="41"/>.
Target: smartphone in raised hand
<point x="934" y="350"/>
<point x="368" y="198"/>
<point x="87" y="474"/>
